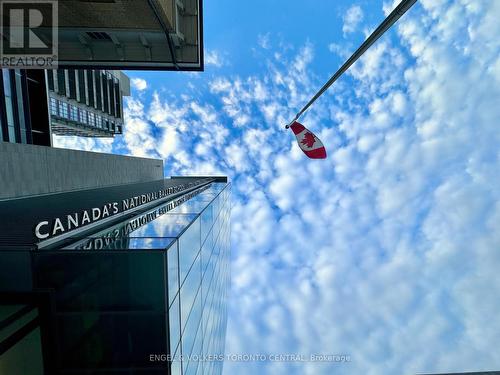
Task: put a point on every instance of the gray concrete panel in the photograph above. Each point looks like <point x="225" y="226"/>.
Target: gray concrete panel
<point x="28" y="170"/>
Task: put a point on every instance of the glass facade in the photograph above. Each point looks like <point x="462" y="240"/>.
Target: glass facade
<point x="147" y="295"/>
<point x="15" y="124"/>
<point x="20" y="336"/>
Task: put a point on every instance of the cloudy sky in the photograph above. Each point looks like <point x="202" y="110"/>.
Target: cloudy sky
<point x="389" y="250"/>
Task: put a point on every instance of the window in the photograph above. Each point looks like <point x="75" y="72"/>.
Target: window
<point x="63" y="109"/>
<point x="72" y="83"/>
<point x="98" y="89"/>
<point x="74" y="113"/>
<point x="90" y="87"/>
<point x="20" y="88"/>
<point x="9" y="104"/>
<point x="53" y="106"/>
<point x="91" y="119"/>
<point x="81" y="87"/>
<point x="61" y="82"/>
<point x="112" y="99"/>
<point x="117" y="99"/>
<point x="98" y="120"/>
<point x="105" y="92"/>
<point x="50" y="79"/>
<point x="83" y="116"/>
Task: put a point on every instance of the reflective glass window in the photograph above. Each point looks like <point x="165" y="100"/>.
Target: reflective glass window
<point x="103" y="281"/>
<point x="73" y="113"/>
<point x="63" y="109"/>
<point x="81" y="87"/>
<point x="189" y="246"/>
<point x="53" y="106"/>
<point x="189" y="291"/>
<point x="83" y="116"/>
<point x="174" y="325"/>
<point x="91" y="119"/>
<point x="173" y="272"/>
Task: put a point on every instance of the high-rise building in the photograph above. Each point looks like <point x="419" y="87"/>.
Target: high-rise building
<point x="37" y="104"/>
<point x="86" y="102"/>
<point x="105" y="266"/>
<point x="127" y="278"/>
<point x="23" y="107"/>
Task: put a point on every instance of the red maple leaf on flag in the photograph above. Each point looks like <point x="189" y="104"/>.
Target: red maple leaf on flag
<point x="308" y="140"/>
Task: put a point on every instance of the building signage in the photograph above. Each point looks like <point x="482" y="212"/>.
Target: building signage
<point x="117" y="237"/>
<point x="60" y="225"/>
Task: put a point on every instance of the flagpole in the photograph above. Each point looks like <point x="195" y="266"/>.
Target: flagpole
<point x="401" y="9"/>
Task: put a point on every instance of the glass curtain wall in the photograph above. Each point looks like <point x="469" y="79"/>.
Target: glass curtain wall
<point x="154" y="285"/>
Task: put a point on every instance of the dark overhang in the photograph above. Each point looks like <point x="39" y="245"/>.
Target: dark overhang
<point x="129" y="34"/>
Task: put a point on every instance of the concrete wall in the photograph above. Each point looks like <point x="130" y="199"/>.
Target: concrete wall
<point x="27" y="170"/>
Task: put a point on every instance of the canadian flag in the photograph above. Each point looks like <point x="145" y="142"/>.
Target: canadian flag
<point x="308" y="142"/>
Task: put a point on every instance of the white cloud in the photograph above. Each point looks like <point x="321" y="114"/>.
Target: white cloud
<point x="264" y="40"/>
<point x="139" y="84"/>
<point x="386" y="251"/>
<point x="83" y="143"/>
<point x="214" y="58"/>
<point x="352" y="18"/>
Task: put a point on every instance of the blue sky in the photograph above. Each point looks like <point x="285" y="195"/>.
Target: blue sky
<point x="387" y="251"/>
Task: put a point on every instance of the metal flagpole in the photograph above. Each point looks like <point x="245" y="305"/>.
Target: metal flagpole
<point x="401" y="9"/>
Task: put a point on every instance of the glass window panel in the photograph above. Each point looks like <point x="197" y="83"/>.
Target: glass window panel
<point x="83" y="116"/>
<point x="206" y="222"/>
<point x="81" y="86"/>
<point x="8" y="102"/>
<point x="50" y="79"/>
<point x="12" y="134"/>
<point x="63" y="109"/>
<point x="20" y="106"/>
<point x="189" y="290"/>
<point x="91" y="339"/>
<point x="98" y="89"/>
<point x="61" y="82"/>
<point x="166" y="225"/>
<point x="6" y="82"/>
<point x="189" y="246"/>
<point x="91" y="119"/>
<point x="174" y="324"/>
<point x="111" y="92"/>
<point x="176" y="367"/>
<point x="206" y="251"/>
<point x="190" y="207"/>
<point x="53" y="106"/>
<point x="90" y="87"/>
<point x="191" y="329"/>
<point x="173" y="272"/>
<point x="192" y="366"/>
<point x="73" y="113"/>
<point x="118" y="99"/>
<point x="72" y="83"/>
<point x="9" y="111"/>
<point x="101" y="281"/>
<point x="105" y="93"/>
